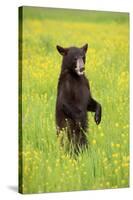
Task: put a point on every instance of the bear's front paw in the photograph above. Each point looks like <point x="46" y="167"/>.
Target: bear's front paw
<point x="97" y="117"/>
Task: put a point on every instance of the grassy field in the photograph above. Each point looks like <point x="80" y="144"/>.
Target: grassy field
<point x="44" y="167"/>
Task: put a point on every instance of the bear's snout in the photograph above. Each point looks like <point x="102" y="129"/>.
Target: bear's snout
<point x="80" y="66"/>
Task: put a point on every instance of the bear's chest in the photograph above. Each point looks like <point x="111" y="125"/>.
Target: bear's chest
<point x="79" y="91"/>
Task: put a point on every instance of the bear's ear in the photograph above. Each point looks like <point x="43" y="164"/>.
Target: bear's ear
<point x="61" y="50"/>
<point x="85" y="47"/>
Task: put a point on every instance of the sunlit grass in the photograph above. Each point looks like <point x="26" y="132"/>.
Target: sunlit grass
<point x="46" y="168"/>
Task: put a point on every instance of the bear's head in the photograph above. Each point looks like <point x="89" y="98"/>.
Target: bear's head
<point x="73" y="58"/>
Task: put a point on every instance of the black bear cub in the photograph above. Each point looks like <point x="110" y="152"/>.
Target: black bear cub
<point x="74" y="98"/>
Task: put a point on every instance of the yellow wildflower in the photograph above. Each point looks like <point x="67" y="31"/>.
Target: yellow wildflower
<point x="118" y="145"/>
<point x="93" y="141"/>
<point x="116" y="124"/>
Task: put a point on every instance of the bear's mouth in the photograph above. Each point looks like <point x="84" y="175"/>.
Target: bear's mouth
<point x="80" y="71"/>
<point x="80" y="67"/>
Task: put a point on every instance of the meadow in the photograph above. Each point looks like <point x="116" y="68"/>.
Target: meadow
<point x="44" y="166"/>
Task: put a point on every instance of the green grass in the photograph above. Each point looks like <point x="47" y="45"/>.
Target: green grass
<point x="74" y="15"/>
<point x="44" y="167"/>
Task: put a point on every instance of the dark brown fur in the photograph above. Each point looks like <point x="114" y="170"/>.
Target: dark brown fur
<point x="74" y="99"/>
